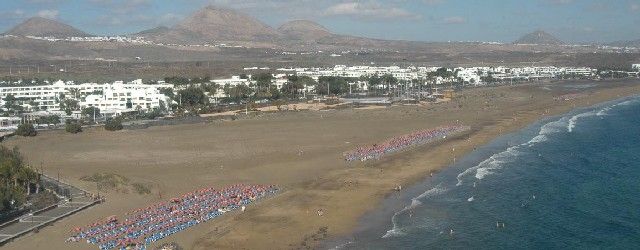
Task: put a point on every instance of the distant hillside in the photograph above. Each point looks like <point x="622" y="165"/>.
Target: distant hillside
<point x="539" y="37"/>
<point x="304" y="30"/>
<point x="38" y="26"/>
<point x="20" y="48"/>
<point x="153" y="32"/>
<point x="633" y="43"/>
<point x="216" y="24"/>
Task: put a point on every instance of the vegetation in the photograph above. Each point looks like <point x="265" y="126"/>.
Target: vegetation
<point x="68" y="105"/>
<point x="264" y="88"/>
<point x="26" y="129"/>
<point x="335" y="85"/>
<point x="50" y="119"/>
<point x="115" y="182"/>
<point x="108" y="181"/>
<point x="192" y="96"/>
<point x="141" y="188"/>
<point x="10" y="102"/>
<point x="42" y="199"/>
<point x="73" y="126"/>
<point x="442" y="72"/>
<point x="90" y="113"/>
<point x="238" y="93"/>
<point x="113" y="124"/>
<point x="296" y="85"/>
<point x="16" y="179"/>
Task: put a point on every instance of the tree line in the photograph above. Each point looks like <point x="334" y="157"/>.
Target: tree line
<point x="16" y="179"/>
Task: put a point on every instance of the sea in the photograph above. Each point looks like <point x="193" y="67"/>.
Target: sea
<point x="565" y="182"/>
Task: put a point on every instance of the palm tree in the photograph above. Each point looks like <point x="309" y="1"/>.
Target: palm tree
<point x="74" y="92"/>
<point x="26" y="176"/>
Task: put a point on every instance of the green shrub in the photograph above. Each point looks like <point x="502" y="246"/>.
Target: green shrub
<point x="113" y="124"/>
<point x="107" y="181"/>
<point x="73" y="127"/>
<point x="141" y="188"/>
<point x="26" y="129"/>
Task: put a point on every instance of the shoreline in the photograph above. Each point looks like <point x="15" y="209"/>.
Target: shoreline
<point x="319" y="179"/>
<point x="388" y="205"/>
<point x="378" y="222"/>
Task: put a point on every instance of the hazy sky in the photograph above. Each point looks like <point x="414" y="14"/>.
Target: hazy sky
<point x="423" y="20"/>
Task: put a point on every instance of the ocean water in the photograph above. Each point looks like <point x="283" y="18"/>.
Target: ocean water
<point x="567" y="182"/>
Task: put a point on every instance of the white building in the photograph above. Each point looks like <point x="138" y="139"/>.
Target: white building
<point x="9" y="123"/>
<point x="469" y="75"/>
<point x="229" y="82"/>
<point x="580" y="71"/>
<point x="233" y="81"/>
<point x="49" y="97"/>
<point x="120" y="97"/>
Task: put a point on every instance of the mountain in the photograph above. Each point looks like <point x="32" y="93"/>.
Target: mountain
<point x="539" y="37"/>
<point x="304" y="30"/>
<point x="217" y="24"/>
<point x="155" y="31"/>
<point x="38" y="26"/>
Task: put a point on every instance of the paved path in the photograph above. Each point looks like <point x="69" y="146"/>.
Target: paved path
<point x="80" y="199"/>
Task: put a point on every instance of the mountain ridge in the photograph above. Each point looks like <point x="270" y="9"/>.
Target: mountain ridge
<point x="304" y="30"/>
<point x="43" y="27"/>
<point x="539" y="37"/>
<point x="214" y="24"/>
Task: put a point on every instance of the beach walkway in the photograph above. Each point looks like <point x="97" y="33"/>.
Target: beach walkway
<point x="75" y="199"/>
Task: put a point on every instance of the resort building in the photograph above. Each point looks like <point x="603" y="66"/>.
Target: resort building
<point x="118" y="98"/>
<point x="233" y="81"/>
<point x="50" y="97"/>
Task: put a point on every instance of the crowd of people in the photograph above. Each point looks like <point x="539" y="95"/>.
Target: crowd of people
<point x="146" y="225"/>
<point x="399" y="143"/>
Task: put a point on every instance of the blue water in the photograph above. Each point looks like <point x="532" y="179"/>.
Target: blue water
<point x="568" y="182"/>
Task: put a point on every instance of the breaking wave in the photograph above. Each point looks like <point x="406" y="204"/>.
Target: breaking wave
<point x="396" y="230"/>
<point x="574" y="120"/>
<point x="496" y="161"/>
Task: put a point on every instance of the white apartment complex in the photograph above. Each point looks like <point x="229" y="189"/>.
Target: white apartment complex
<point x="117" y="98"/>
<point x="470" y="75"/>
<point x="360" y="71"/>
<point x="108" y="96"/>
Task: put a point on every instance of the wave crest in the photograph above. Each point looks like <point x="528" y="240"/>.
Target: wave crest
<point x="415" y="201"/>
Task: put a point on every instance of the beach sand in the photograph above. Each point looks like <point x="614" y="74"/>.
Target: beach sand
<point x="299" y="151"/>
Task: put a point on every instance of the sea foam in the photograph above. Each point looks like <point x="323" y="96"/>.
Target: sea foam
<point x="494" y="162"/>
<point x="396" y="230"/>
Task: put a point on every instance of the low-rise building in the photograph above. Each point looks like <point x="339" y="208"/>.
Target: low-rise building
<point x="119" y="97"/>
<point x="9" y="123"/>
<point x="50" y="97"/>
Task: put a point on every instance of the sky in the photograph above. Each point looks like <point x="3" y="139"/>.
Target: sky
<point x="577" y="21"/>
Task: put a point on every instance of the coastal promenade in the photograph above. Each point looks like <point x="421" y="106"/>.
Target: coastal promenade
<point x="73" y="199"/>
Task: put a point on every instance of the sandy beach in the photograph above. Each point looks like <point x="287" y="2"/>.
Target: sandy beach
<point x="300" y="151"/>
